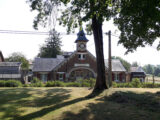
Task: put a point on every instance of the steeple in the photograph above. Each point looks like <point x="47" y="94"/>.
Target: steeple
<point x="81" y="41"/>
<point x="81" y="37"/>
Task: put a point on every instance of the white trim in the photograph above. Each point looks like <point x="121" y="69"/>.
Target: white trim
<point x="81" y="65"/>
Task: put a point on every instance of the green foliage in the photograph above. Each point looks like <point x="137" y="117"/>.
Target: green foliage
<point x="72" y="84"/>
<point x="38" y="84"/>
<point x="2" y="83"/>
<point x="139" y="23"/>
<point x="52" y="45"/>
<point x="149" y="69"/>
<point x="59" y="84"/>
<point x="74" y="13"/>
<point x="35" y="80"/>
<point x="13" y="83"/>
<point x="50" y="84"/>
<point x="55" y="84"/>
<point x="124" y="85"/>
<point x="136" y="83"/>
<point x="18" y="57"/>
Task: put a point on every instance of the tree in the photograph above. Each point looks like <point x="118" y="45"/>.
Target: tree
<point x="157" y="71"/>
<point x="94" y="12"/>
<point x="134" y="64"/>
<point x="18" y="57"/>
<point x="126" y="64"/>
<point x="52" y="45"/>
<point x="149" y="69"/>
<point x="139" y="23"/>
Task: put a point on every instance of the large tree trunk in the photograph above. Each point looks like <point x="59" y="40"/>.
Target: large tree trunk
<point x="98" y="39"/>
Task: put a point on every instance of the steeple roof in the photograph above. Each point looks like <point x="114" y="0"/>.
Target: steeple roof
<point x="81" y="37"/>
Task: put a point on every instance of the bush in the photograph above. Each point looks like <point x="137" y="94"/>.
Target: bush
<point x="72" y="84"/>
<point x="13" y="83"/>
<point x="87" y="82"/>
<point x="35" y="80"/>
<point x="114" y="84"/>
<point x="2" y="83"/>
<point x="136" y="83"/>
<point x="124" y="85"/>
<point x="50" y="84"/>
<point x="55" y="84"/>
<point x="39" y="84"/>
<point x="26" y="85"/>
<point x="59" y="84"/>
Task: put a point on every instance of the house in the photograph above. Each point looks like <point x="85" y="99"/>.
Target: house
<point x="1" y="57"/>
<point x="71" y="66"/>
<point x="10" y="70"/>
<point x="118" y="70"/>
<point x="137" y="72"/>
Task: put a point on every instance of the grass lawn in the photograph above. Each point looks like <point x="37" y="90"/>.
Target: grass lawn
<point x="71" y="104"/>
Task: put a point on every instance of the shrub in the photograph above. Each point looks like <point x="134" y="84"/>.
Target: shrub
<point x="59" y="84"/>
<point x="114" y="84"/>
<point x="50" y="84"/>
<point x="38" y="84"/>
<point x="13" y="83"/>
<point x="35" y="80"/>
<point x="85" y="84"/>
<point x="2" y="83"/>
<point x="92" y="82"/>
<point x="124" y="85"/>
<point x="72" y="84"/>
<point x="26" y="85"/>
<point x="136" y="83"/>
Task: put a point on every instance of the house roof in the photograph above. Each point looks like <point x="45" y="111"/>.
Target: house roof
<point x="1" y="55"/>
<point x="116" y="65"/>
<point x="136" y="69"/>
<point x="9" y="67"/>
<point x="45" y="64"/>
<point x="81" y="37"/>
<point x="10" y="64"/>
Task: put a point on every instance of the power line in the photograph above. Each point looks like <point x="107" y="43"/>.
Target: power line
<point x="37" y="33"/>
<point x="23" y="32"/>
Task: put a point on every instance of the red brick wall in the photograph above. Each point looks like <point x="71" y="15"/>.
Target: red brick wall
<point x="66" y="67"/>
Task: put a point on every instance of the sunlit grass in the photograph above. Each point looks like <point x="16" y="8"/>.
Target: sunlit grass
<point x="72" y="104"/>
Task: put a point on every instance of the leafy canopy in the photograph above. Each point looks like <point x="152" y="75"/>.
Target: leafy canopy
<point x="18" y="57"/>
<point x="139" y="23"/>
<point x="73" y="13"/>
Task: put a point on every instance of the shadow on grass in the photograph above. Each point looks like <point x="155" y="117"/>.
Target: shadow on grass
<point x="13" y="99"/>
<point x="120" y="106"/>
<point x="44" y="111"/>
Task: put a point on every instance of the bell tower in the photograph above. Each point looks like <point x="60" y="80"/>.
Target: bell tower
<point x="81" y="41"/>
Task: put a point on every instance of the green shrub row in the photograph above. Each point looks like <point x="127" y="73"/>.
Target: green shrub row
<point x="79" y="83"/>
<point x="10" y="83"/>
<point x="135" y="84"/>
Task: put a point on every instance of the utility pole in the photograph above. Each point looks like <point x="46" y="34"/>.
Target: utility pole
<point x="109" y="60"/>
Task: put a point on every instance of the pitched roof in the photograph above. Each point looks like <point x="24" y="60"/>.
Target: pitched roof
<point x="45" y="64"/>
<point x="136" y="69"/>
<point x="10" y="64"/>
<point x="9" y="67"/>
<point x="81" y="37"/>
<point x="116" y="65"/>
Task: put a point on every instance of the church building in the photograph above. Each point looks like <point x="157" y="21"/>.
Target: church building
<point x="71" y="66"/>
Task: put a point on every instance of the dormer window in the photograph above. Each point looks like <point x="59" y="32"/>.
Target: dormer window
<point x="81" y="56"/>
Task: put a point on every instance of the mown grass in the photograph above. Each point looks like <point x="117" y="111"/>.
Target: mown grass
<point x="72" y="104"/>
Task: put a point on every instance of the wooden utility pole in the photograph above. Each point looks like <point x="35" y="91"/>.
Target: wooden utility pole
<point x="109" y="60"/>
<point x="153" y="80"/>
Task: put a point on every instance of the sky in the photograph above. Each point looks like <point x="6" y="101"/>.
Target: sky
<point x="16" y="15"/>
